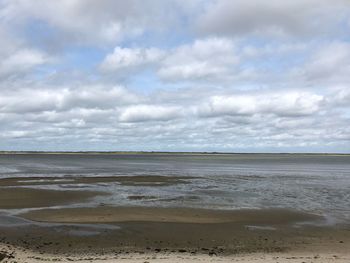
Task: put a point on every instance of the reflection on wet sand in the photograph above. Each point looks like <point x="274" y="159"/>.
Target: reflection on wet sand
<point x="140" y="180"/>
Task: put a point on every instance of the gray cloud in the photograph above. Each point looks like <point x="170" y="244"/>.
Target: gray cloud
<point x="329" y="63"/>
<point x="88" y="22"/>
<point x="272" y="18"/>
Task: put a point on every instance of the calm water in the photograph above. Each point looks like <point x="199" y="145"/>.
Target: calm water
<point x="313" y="183"/>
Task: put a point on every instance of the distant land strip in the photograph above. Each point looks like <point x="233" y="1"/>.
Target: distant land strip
<point x="165" y="152"/>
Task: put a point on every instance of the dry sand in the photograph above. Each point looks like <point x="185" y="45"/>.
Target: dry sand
<point x="290" y="257"/>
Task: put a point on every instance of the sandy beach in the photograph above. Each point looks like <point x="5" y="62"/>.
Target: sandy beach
<point x="149" y="234"/>
<point x="291" y="257"/>
<point x="149" y="241"/>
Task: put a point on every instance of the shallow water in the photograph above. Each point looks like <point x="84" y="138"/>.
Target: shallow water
<point x="312" y="183"/>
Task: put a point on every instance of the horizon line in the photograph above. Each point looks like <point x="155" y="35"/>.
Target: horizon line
<point x="161" y="152"/>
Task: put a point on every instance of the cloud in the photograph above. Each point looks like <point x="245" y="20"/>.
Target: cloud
<point x="129" y="58"/>
<point x="226" y="121"/>
<point x="97" y="97"/>
<point x="288" y="104"/>
<point x="175" y="75"/>
<point x="340" y="97"/>
<point x="205" y="58"/>
<point x="330" y="62"/>
<point x="141" y="113"/>
<point x="27" y="100"/>
<point x="271" y="18"/>
<point x="22" y="61"/>
<point x="87" y="22"/>
<point x="16" y="57"/>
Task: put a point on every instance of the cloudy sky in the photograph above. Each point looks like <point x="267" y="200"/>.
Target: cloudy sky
<point x="176" y="75"/>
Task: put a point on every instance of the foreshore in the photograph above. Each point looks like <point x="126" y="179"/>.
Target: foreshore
<point x="159" y="242"/>
<point x="45" y="225"/>
<point x="148" y="234"/>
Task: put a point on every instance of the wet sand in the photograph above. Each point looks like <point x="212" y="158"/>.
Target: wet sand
<point x="106" y="214"/>
<point x="141" y="180"/>
<point x="271" y="234"/>
<point x="154" y="234"/>
<point x="134" y="234"/>
<point x="15" y="198"/>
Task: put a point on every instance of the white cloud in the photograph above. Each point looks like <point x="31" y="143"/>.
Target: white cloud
<point x="128" y="58"/>
<point x="206" y="58"/>
<point x="291" y="104"/>
<point x="141" y="113"/>
<point x="27" y="100"/>
<point x="98" y="96"/>
<point x="222" y="120"/>
<point x="22" y="61"/>
<point x="234" y="105"/>
<point x="203" y="59"/>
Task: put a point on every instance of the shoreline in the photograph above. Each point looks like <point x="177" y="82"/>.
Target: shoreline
<point x="164" y="153"/>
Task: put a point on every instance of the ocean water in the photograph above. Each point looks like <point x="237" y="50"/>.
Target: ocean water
<point x="312" y="183"/>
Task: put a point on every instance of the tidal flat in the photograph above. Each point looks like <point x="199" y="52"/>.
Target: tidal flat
<point x="164" y="208"/>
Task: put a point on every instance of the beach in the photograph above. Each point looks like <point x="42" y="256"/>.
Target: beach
<point x="45" y="217"/>
<point x="133" y="234"/>
<point x="180" y="257"/>
<point x="153" y="235"/>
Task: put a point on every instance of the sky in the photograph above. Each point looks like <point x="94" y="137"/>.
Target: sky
<point x="175" y="75"/>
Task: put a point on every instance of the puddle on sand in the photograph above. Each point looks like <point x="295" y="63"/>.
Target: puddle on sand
<point x="70" y="229"/>
<point x="269" y="228"/>
<point x="83" y="233"/>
